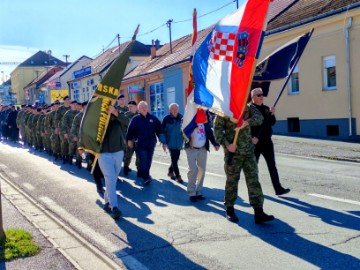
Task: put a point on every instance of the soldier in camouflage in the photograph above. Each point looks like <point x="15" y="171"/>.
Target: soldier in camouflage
<point x="58" y="118"/>
<point x="19" y="117"/>
<point x="240" y="156"/>
<point x="65" y="127"/>
<point x="74" y="135"/>
<point x="51" y="125"/>
<point x="40" y="129"/>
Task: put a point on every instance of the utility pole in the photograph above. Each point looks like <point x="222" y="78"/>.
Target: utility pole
<point x="66" y="59"/>
<point x="237" y="3"/>
<point x="118" y="36"/>
<point x="168" y="23"/>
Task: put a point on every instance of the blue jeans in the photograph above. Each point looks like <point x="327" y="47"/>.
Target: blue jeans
<point x="110" y="165"/>
<point x="146" y="156"/>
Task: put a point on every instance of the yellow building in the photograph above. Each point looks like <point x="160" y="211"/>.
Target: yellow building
<point x="30" y="70"/>
<point x="322" y="98"/>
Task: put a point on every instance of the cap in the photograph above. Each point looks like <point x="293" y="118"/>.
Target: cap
<point x="120" y="96"/>
<point x="78" y="103"/>
<point x="38" y="109"/>
<point x="56" y="102"/>
<point x="132" y="102"/>
<point x="73" y="102"/>
<point x="66" y="97"/>
<point x="84" y="103"/>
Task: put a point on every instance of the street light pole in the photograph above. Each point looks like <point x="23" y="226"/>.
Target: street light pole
<point x="168" y="23"/>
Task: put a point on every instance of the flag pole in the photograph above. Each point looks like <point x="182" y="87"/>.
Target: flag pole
<point x="111" y="103"/>
<point x="291" y="71"/>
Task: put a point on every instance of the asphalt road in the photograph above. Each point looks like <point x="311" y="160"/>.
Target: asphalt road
<point x="317" y="225"/>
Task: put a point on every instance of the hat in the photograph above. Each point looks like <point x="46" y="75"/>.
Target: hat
<point x="78" y="103"/>
<point x="66" y="97"/>
<point x="132" y="102"/>
<point x="73" y="102"/>
<point x="120" y="96"/>
<point x="84" y="103"/>
<point x="56" y="102"/>
<point x="38" y="109"/>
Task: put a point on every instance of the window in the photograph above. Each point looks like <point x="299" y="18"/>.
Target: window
<point x="294" y="82"/>
<point x="157" y="100"/>
<point x="293" y="124"/>
<point x="332" y="130"/>
<point x="330" y="72"/>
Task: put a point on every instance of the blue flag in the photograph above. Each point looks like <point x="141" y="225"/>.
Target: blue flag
<point x="279" y="64"/>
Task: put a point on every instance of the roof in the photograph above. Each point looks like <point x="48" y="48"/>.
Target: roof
<point x="304" y="11"/>
<point x="42" y="59"/>
<point x="43" y="76"/>
<point x="104" y="60"/>
<point x="181" y="49"/>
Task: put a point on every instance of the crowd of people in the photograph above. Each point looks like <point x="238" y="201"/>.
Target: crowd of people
<point x="133" y="129"/>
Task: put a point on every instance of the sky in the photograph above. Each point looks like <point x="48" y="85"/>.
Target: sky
<point x="86" y="27"/>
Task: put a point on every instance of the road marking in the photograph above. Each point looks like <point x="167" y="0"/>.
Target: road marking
<point x="28" y="186"/>
<point x="126" y="259"/>
<point x="335" y="199"/>
<point x="186" y="168"/>
<point x="13" y="174"/>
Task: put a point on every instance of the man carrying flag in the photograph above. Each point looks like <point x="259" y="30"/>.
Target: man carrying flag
<point x="197" y="133"/>
<point x="101" y="130"/>
<point x="225" y="64"/>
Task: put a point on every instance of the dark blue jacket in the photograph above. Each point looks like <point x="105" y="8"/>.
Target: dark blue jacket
<point x="143" y="130"/>
<point x="171" y="134"/>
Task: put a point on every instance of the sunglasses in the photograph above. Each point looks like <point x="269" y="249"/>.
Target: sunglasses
<point x="259" y="95"/>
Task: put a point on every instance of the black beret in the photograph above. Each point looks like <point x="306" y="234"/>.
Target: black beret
<point x="38" y="109"/>
<point x="66" y="97"/>
<point x="73" y="102"/>
<point x="132" y="102"/>
<point x="120" y="96"/>
<point x="84" y="103"/>
<point x="56" y="102"/>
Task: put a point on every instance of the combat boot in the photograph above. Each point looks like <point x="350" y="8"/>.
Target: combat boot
<point x="126" y="170"/>
<point x="65" y="159"/>
<point x="261" y="217"/>
<point x="230" y="214"/>
<point x="78" y="163"/>
<point x="70" y="160"/>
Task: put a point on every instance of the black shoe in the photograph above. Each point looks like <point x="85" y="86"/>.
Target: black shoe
<point x="282" y="191"/>
<point x="230" y="214"/>
<point x="261" y="217"/>
<point x="78" y="164"/>
<point x="193" y="198"/>
<point x="200" y="197"/>
<point x="107" y="208"/>
<point x="100" y="190"/>
<point x="126" y="170"/>
<point x="179" y="179"/>
<point x="65" y="159"/>
<point x="56" y="156"/>
<point x="147" y="181"/>
<point x="171" y="175"/>
<point x="138" y="174"/>
<point x="70" y="161"/>
<point x="116" y="213"/>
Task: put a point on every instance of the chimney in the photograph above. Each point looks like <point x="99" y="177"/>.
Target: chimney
<point x="157" y="44"/>
<point x="153" y="50"/>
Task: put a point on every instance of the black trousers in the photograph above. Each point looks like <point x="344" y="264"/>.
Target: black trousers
<point x="174" y="168"/>
<point x="266" y="149"/>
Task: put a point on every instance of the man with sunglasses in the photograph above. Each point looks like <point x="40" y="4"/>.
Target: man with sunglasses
<point x="262" y="139"/>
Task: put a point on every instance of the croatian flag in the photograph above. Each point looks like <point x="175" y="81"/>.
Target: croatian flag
<point x="192" y="115"/>
<point x="224" y="63"/>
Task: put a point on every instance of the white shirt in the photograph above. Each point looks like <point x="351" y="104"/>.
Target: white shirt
<point x="199" y="136"/>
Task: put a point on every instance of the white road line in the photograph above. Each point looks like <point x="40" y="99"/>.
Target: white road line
<point x="128" y="260"/>
<point x="186" y="168"/>
<point x="28" y="186"/>
<point x="334" y="199"/>
<point x="13" y="174"/>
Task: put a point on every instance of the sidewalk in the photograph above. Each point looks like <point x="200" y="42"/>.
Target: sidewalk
<point x="48" y="258"/>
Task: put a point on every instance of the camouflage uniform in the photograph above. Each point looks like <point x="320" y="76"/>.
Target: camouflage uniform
<point x="54" y="138"/>
<point x="47" y="133"/>
<point x="57" y="123"/>
<point x="39" y="132"/>
<point x="65" y="127"/>
<point x="24" y="121"/>
<point x="19" y="117"/>
<point x="74" y="133"/>
<point x="33" y="132"/>
<point x="243" y="158"/>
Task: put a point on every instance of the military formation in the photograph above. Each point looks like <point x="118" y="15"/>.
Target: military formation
<point x="52" y="128"/>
